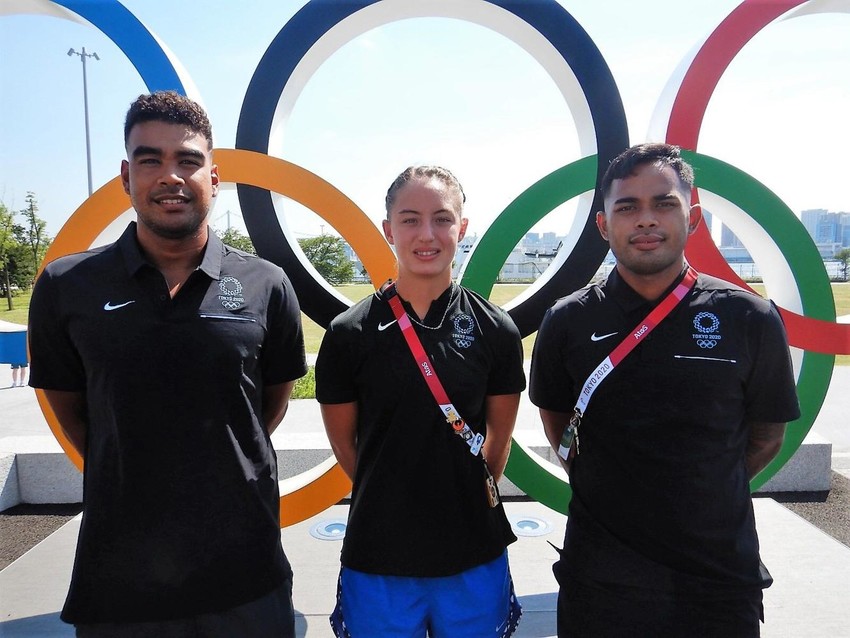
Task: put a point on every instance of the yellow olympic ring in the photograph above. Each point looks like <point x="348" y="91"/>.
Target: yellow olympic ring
<point x="317" y="489"/>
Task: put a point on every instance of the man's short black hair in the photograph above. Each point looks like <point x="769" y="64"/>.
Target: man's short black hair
<point x="625" y="164"/>
<point x="170" y="107"/>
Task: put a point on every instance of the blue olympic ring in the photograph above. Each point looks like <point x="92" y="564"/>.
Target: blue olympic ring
<point x="114" y="20"/>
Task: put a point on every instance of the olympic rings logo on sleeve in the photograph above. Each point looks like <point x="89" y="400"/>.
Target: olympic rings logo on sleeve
<point x="546" y="31"/>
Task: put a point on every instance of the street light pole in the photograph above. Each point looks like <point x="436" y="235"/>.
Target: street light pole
<point x="83" y="57"/>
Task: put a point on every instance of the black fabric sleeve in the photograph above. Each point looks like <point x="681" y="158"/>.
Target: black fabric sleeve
<point x="507" y="376"/>
<point x="283" y="352"/>
<point x="771" y="394"/>
<point x="54" y="360"/>
<point x="550" y="384"/>
<point x="334" y="372"/>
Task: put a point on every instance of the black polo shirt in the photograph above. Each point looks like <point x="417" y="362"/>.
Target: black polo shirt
<point x="418" y="504"/>
<point x="661" y="469"/>
<point x="181" y="494"/>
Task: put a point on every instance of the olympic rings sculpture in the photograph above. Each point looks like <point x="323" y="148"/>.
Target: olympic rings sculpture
<point x="550" y="34"/>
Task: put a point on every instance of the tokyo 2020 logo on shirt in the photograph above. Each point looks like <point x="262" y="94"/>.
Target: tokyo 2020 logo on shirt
<point x="230" y="289"/>
<point x="464" y="327"/>
<point x="549" y="33"/>
<point x="707" y="326"/>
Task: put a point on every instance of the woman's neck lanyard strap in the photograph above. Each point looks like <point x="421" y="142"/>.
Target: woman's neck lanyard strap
<point x="640" y="332"/>
<point x="473" y="440"/>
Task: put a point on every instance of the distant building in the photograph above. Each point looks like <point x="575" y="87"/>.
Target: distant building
<point x="830" y="231"/>
<point x="360" y="274"/>
<point x="728" y="239"/>
<point x="811" y="218"/>
<point x="526" y="262"/>
<point x="731" y="247"/>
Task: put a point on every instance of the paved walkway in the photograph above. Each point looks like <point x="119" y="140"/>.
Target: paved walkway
<point x="808" y="599"/>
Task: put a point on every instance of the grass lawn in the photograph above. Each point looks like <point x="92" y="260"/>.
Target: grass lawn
<point x="20" y="308"/>
<point x="502" y="294"/>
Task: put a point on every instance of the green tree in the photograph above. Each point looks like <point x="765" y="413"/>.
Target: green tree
<point x="8" y="243"/>
<point x="236" y="238"/>
<point x="36" y="237"/>
<point x="843" y="256"/>
<point x="21" y="269"/>
<point x="327" y="254"/>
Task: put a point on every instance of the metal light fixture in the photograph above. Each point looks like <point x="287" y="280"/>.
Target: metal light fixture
<point x="83" y="55"/>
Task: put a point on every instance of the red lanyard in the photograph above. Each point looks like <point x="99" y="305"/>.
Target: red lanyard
<point x="473" y="440"/>
<point x="640" y="332"/>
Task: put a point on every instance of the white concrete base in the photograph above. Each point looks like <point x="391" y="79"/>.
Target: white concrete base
<point x="49" y="477"/>
<point x="10" y="495"/>
<point x="809" y="470"/>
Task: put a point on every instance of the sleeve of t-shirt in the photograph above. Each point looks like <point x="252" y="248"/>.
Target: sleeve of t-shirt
<point x="549" y="385"/>
<point x="283" y="352"/>
<point x="508" y="375"/>
<point x="334" y="370"/>
<point x="771" y="394"/>
<point x="55" y="363"/>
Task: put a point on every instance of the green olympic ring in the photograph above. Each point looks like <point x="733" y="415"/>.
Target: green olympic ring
<point x="543" y="481"/>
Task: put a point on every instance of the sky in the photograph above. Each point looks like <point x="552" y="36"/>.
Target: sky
<point x="426" y="90"/>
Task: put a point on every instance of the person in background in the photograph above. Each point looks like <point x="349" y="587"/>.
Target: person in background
<point x="664" y="391"/>
<point x="168" y="358"/>
<point x="19" y="374"/>
<point x="425" y="546"/>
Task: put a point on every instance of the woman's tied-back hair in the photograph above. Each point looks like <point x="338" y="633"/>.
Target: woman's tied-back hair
<point x="412" y="173"/>
<point x="625" y="164"/>
<point x="169" y="107"/>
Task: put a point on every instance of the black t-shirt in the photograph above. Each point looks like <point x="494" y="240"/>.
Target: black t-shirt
<point x="418" y="504"/>
<point x="661" y="467"/>
<point x="181" y="500"/>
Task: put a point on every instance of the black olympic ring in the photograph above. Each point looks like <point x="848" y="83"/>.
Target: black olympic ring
<point x="310" y="24"/>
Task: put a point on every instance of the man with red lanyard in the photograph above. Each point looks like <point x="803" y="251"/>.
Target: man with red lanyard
<point x="664" y="392"/>
<point x="419" y="384"/>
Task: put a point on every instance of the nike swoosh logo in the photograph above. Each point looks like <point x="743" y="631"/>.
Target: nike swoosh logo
<point x="384" y="326"/>
<point x="110" y="306"/>
<point x="595" y="337"/>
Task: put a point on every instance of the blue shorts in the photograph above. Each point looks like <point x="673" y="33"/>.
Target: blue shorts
<point x="477" y="603"/>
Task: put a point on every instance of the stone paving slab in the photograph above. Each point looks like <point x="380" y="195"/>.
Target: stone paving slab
<point x="809" y="596"/>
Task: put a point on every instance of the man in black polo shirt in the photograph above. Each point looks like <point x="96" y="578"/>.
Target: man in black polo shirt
<point x="169" y="359"/>
<point x="661" y="538"/>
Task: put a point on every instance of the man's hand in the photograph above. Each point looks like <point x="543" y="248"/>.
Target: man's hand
<point x="763" y="445"/>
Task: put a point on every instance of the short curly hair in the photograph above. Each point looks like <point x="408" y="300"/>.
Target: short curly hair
<point x="171" y="107"/>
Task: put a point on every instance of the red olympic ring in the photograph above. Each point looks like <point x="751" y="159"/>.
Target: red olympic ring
<point x="683" y="128"/>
